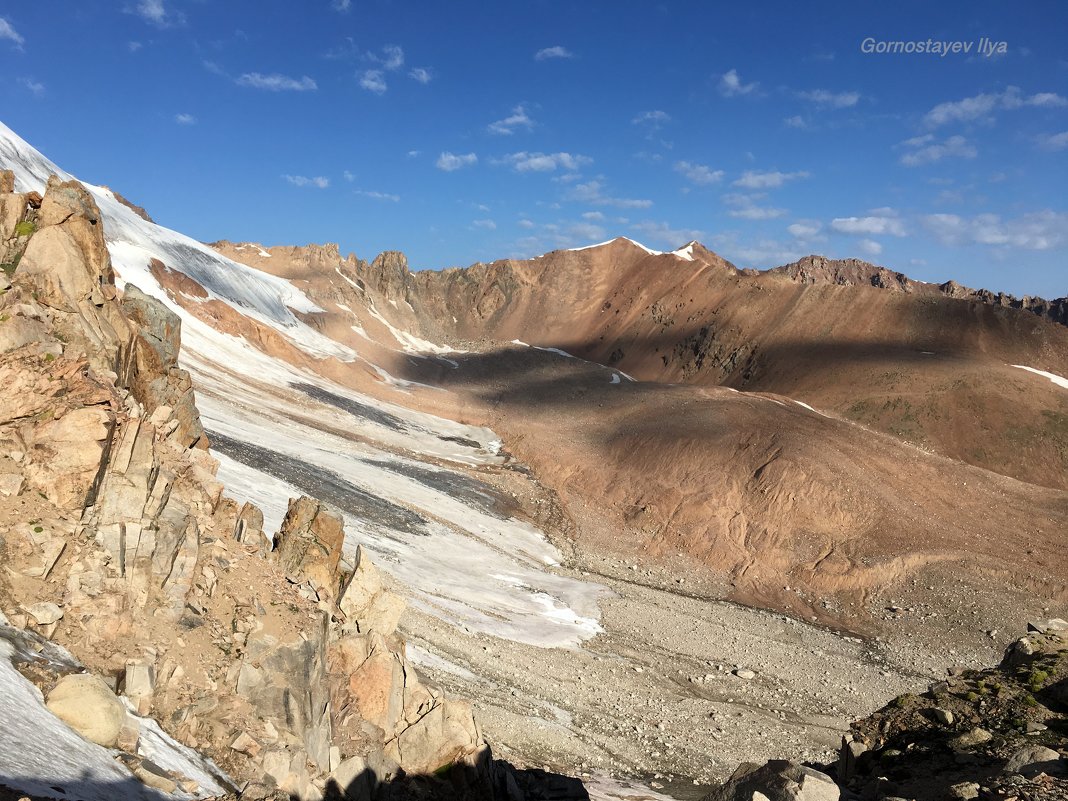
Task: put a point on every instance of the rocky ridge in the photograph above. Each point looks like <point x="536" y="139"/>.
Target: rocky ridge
<point x="267" y="652"/>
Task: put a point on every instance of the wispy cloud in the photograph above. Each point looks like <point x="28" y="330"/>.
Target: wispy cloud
<point x="698" y="173"/>
<point x="545" y="162"/>
<point x="1040" y="230"/>
<point x="653" y="119"/>
<point x="731" y="85"/>
<point x="420" y="75"/>
<point x="185" y="119"/>
<point x="878" y="222"/>
<point x="756" y="213"/>
<point x="489" y="225"/>
<point x="341" y="5"/>
<point x="982" y="107"/>
<point x="593" y="192"/>
<point x="662" y="233"/>
<point x="513" y="122"/>
<point x="594" y="216"/>
<point x="377" y="195"/>
<point x="553" y="52"/>
<point x="796" y="121"/>
<point x="870" y="247"/>
<point x="8" y="33"/>
<point x="273" y="82"/>
<point x="319" y="182"/>
<point x="450" y="162"/>
<point x="1057" y="141"/>
<point x="824" y="98"/>
<point x="927" y="150"/>
<point x="392" y="57"/>
<point x="767" y="180"/>
<point x="373" y="81"/>
<point x="155" y="12"/>
<point x="806" y="230"/>
<point x="133" y="47"/>
<point x="35" y="87"/>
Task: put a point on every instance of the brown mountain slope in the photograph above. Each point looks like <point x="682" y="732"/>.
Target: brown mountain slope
<point x="929" y="368"/>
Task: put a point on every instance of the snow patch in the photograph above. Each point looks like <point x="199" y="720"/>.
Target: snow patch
<point x="1059" y="380"/>
<point x="648" y="250"/>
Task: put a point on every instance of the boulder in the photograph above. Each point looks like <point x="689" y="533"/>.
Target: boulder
<point x="442" y="737"/>
<point x="777" y="780"/>
<point x="1031" y="760"/>
<point x="86" y="704"/>
<point x="308" y="546"/>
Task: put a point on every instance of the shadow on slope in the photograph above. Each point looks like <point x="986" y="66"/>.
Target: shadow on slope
<point x="493" y="779"/>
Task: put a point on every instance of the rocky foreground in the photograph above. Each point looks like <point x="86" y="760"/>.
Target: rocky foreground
<point x="134" y="591"/>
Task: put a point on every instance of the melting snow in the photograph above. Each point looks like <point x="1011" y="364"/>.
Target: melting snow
<point x="615" y="378"/>
<point x="1060" y="381"/>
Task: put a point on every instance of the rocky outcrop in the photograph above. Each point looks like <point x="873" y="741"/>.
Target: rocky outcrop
<point x="855" y="272"/>
<point x="157" y="381"/>
<point x="988" y="734"/>
<point x="272" y="654"/>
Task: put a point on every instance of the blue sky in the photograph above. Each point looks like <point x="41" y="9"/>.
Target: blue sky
<point x="465" y="131"/>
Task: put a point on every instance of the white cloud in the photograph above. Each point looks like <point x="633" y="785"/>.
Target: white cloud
<point x="553" y="52"/>
<point x="804" y="229"/>
<point x="586" y="231"/>
<point x="545" y="162"/>
<point x="36" y="87"/>
<point x="376" y="195"/>
<point x="756" y="213"/>
<point x="489" y="225"/>
<point x="514" y="121"/>
<point x="870" y="246"/>
<point x="1040" y="230"/>
<point x="392" y="57"/>
<point x="8" y="32"/>
<point x="827" y="99"/>
<point x="414" y="153"/>
<point x="349" y="176"/>
<point x="767" y="180"/>
<point x="982" y="106"/>
<point x="664" y="234"/>
<point x="593" y="192"/>
<point x="1054" y="141"/>
<point x="277" y="83"/>
<point x="655" y="118"/>
<point x="524" y="223"/>
<point x="595" y="216"/>
<point x="879" y="222"/>
<point x="449" y="162"/>
<point x="133" y="47"/>
<point x="319" y="182"/>
<point x="796" y="121"/>
<point x="420" y="75"/>
<point x="373" y="81"/>
<point x="926" y="150"/>
<point x="698" y="173"/>
<point x="730" y="85"/>
<point x="761" y="253"/>
<point x="155" y="12"/>
<point x="185" y="119"/>
<point x="341" y="5"/>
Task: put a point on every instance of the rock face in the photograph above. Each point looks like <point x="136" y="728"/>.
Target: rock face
<point x="309" y="545"/>
<point x="272" y="654"/>
<point x="157" y="380"/>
